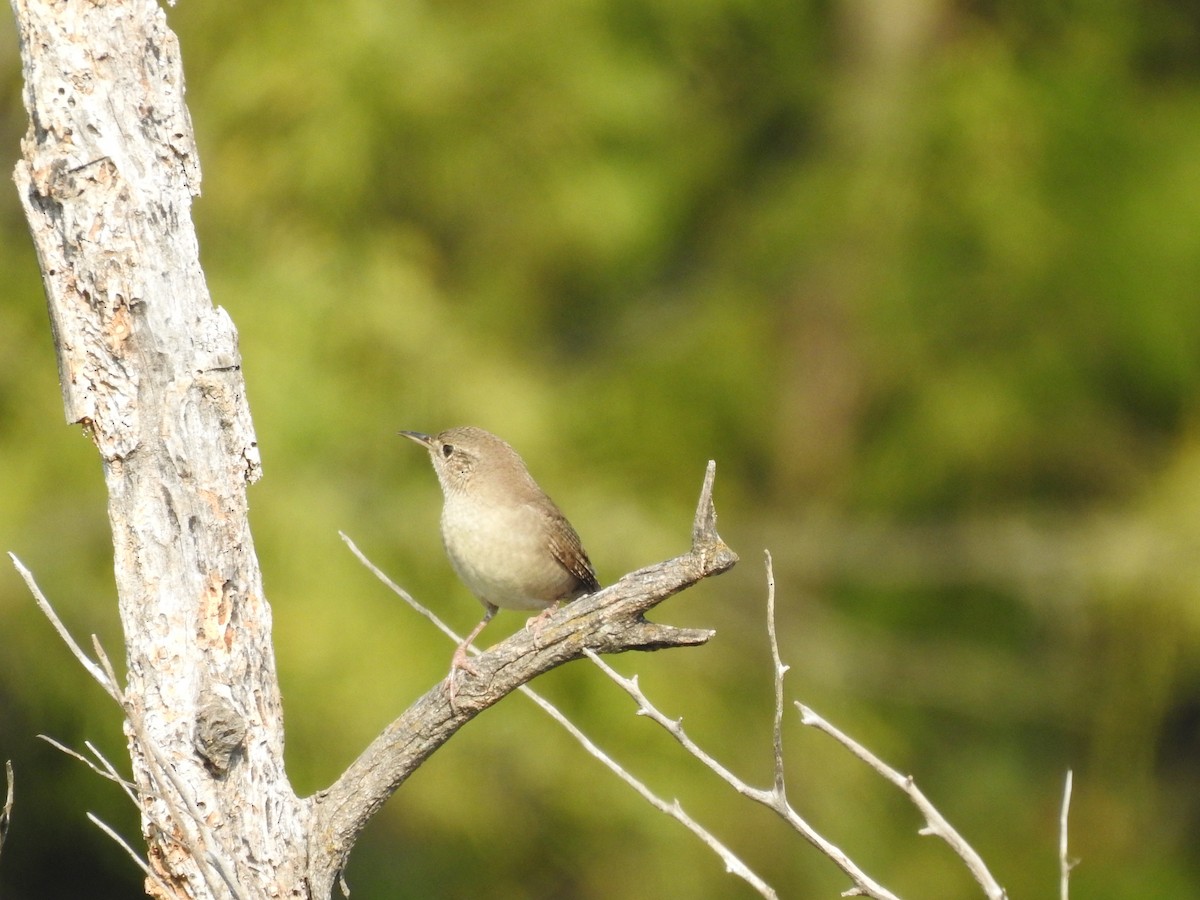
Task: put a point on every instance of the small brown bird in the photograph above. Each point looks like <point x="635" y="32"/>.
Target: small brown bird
<point x="508" y="541"/>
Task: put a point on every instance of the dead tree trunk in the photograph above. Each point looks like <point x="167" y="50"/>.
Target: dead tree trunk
<point x="152" y="370"/>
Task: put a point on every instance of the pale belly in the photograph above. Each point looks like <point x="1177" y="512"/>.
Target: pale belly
<point x="506" y="560"/>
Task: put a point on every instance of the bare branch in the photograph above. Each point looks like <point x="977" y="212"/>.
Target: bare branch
<point x="94" y="670"/>
<point x="779" y="671"/>
<point x="193" y="837"/>
<point x="776" y="798"/>
<point x="403" y="594"/>
<point x="864" y="884"/>
<point x="110" y="772"/>
<point x="732" y="863"/>
<point x="674" y="727"/>
<point x="105" y="677"/>
<point x="107" y="770"/>
<point x="935" y="822"/>
<point x="123" y="844"/>
<point x="704" y="525"/>
<point x="1065" y="863"/>
<point x="610" y="621"/>
<point x="180" y="836"/>
<point x="104" y="770"/>
<point x="6" y="812"/>
<point x="107" y="668"/>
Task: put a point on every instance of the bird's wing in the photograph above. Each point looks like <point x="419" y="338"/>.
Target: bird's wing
<point x="568" y="550"/>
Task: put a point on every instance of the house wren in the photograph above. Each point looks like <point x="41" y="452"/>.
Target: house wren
<point x="508" y="542"/>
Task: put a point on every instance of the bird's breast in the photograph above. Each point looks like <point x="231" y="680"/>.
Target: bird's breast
<point x="502" y="553"/>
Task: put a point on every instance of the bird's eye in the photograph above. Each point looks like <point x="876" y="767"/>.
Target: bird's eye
<point x="447" y="449"/>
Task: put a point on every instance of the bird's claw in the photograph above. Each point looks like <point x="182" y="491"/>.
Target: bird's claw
<point x="535" y="624"/>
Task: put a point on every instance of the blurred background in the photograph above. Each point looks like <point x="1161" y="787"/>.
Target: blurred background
<point x="921" y="276"/>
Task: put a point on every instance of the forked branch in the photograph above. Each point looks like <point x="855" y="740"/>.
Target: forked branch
<point x="775" y="797"/>
<point x="609" y="621"/>
<point x="935" y="822"/>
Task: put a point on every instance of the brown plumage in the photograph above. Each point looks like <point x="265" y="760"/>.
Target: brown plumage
<point x="506" y="539"/>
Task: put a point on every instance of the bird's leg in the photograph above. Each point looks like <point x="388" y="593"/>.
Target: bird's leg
<point x="460" y="660"/>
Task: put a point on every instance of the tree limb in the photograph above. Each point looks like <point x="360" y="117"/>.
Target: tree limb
<point x="774" y="799"/>
<point x="609" y="621"/>
<point x="151" y="369"/>
<point x="733" y="864"/>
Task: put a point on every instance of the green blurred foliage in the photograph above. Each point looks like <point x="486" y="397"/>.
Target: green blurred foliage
<point x="921" y="277"/>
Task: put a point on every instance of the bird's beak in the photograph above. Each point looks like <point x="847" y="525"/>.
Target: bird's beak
<point x="423" y="439"/>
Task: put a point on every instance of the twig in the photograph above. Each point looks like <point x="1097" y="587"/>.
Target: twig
<point x="776" y="798"/>
<point x="779" y="671"/>
<point x="128" y="786"/>
<point x="864" y="884"/>
<point x="193" y="842"/>
<point x="107" y="770"/>
<point x="107" y="666"/>
<point x="104" y="771"/>
<point x="935" y="822"/>
<point x="121" y="842"/>
<point x="403" y="594"/>
<point x="94" y="670"/>
<point x="1065" y="863"/>
<point x="705" y="524"/>
<point x="6" y="813"/>
<point x="733" y="865"/>
<point x="105" y="676"/>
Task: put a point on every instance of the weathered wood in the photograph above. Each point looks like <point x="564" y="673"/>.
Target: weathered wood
<point x="610" y="621"/>
<point x="152" y="369"/>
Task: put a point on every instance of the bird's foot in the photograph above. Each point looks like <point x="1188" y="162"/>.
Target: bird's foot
<point x="535" y="624"/>
<point x="460" y="662"/>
